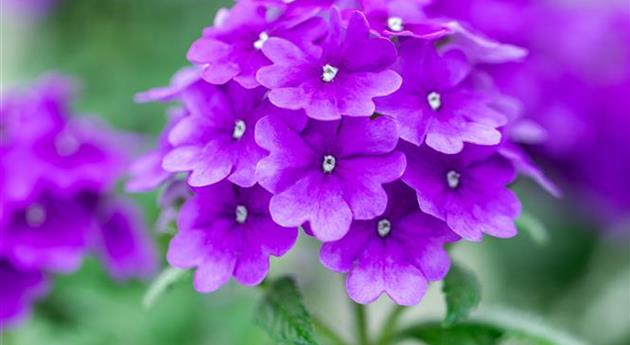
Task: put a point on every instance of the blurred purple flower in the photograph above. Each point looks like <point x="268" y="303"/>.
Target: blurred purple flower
<point x="124" y="245"/>
<point x="51" y="233"/>
<point x="18" y="290"/>
<point x="57" y="175"/>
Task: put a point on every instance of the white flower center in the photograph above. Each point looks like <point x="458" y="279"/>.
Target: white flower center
<point x="329" y="163"/>
<point x="435" y="100"/>
<point x="262" y="38"/>
<point x="66" y="144"/>
<point x="35" y="215"/>
<point x="395" y="23"/>
<point x="383" y="227"/>
<point x="241" y="214"/>
<point x="329" y="73"/>
<point x="239" y="129"/>
<point x="452" y="178"/>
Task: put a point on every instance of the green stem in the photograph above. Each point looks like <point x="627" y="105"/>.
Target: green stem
<point x="327" y="332"/>
<point x="390" y="325"/>
<point x="361" y="324"/>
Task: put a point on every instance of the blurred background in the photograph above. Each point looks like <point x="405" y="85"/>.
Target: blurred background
<point x="573" y="276"/>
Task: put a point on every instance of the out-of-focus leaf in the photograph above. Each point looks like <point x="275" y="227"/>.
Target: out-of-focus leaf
<point x="483" y="332"/>
<point x="523" y="339"/>
<point x="522" y="328"/>
<point x="283" y="315"/>
<point x="462" y="292"/>
<point x="163" y="282"/>
<point x="534" y="227"/>
<point x="460" y="334"/>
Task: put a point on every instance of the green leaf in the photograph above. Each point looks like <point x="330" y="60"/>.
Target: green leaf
<point x="163" y="282"/>
<point x="460" y="334"/>
<point x="523" y="328"/>
<point x="490" y="327"/>
<point x="515" y="338"/>
<point x="534" y="227"/>
<point x="462" y="292"/>
<point x="283" y="315"/>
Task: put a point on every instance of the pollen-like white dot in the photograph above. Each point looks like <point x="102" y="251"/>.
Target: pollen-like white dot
<point x="452" y="178"/>
<point x="239" y="129"/>
<point x="383" y="227"/>
<point x="262" y="38"/>
<point x="329" y="73"/>
<point x="66" y="144"/>
<point x="35" y="215"/>
<point x="329" y="163"/>
<point x="395" y="23"/>
<point x="241" y="214"/>
<point x="435" y="100"/>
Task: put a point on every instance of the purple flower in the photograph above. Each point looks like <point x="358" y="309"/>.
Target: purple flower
<point x="216" y="140"/>
<point x="146" y="172"/>
<point x="56" y="175"/>
<point x="25" y="117"/>
<point x="573" y="84"/>
<point x="436" y="106"/>
<point x="329" y="173"/>
<point x="124" y="245"/>
<point x="231" y="49"/>
<point x="402" y="18"/>
<point x="180" y="81"/>
<point x="397" y="253"/>
<point x="351" y="69"/>
<point x="525" y="166"/>
<point x="468" y="190"/>
<point x="84" y="155"/>
<point x="18" y="290"/>
<point x="479" y="48"/>
<point x="52" y="233"/>
<point x="226" y="231"/>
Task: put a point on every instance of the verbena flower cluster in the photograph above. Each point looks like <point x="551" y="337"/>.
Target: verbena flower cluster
<point x="370" y="125"/>
<point x="574" y="89"/>
<point x="56" y="178"/>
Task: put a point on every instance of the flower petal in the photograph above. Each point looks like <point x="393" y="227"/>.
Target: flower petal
<point x="315" y="198"/>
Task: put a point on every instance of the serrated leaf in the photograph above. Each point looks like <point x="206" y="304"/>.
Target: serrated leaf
<point x="163" y="282"/>
<point x="534" y="227"/>
<point x="283" y="315"/>
<point x="462" y="292"/>
<point x="460" y="334"/>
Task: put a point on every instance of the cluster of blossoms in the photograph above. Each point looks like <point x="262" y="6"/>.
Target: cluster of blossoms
<point x="574" y="89"/>
<point x="56" y="178"/>
<point x="370" y="125"/>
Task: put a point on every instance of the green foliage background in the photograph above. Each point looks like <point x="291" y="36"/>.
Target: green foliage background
<point x="578" y="280"/>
